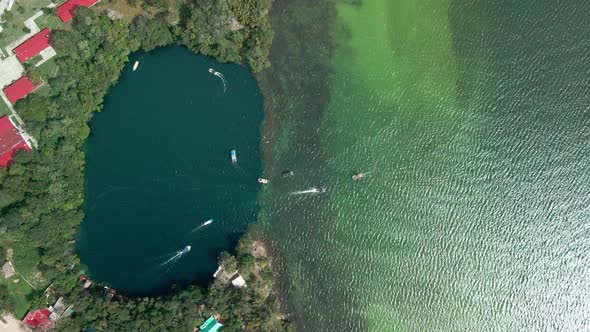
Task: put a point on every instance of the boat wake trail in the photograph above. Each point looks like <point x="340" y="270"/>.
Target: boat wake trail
<point x="176" y="256"/>
<point x="308" y="191"/>
<point x="208" y="222"/>
<point x="220" y="75"/>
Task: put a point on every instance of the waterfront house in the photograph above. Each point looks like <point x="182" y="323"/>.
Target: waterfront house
<point x="238" y="281"/>
<point x="87" y="282"/>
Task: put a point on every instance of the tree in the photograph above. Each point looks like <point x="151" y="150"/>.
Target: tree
<point x="247" y="263"/>
<point x="227" y="262"/>
<point x="34" y="75"/>
<point x="6" y="301"/>
<point x="245" y="245"/>
<point x="41" y="194"/>
<point x="150" y="33"/>
<point x="8" y="16"/>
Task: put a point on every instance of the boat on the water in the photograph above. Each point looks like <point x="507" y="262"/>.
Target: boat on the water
<point x="135" y="65"/>
<point x="186" y="249"/>
<point x="318" y="190"/>
<point x="208" y="222"/>
<point x="287" y="173"/>
<point x="220" y="75"/>
<point x="262" y="180"/>
<point x="358" y="176"/>
<point x="234" y="158"/>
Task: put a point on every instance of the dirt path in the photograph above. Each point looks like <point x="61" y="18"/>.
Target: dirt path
<point x="8" y="323"/>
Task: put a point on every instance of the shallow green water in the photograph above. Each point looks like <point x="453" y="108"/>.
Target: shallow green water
<point x="158" y="166"/>
<point x="473" y="118"/>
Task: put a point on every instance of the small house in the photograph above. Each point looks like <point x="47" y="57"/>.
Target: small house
<point x="238" y="281"/>
<point x="66" y="10"/>
<point x="34" y="45"/>
<point x="210" y="325"/>
<point x="11" y="141"/>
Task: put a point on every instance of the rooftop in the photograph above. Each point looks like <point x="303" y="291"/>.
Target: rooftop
<point x="66" y="11"/>
<point x="238" y="281"/>
<point x="34" y="45"/>
<point x="11" y="141"/>
<point x="19" y="89"/>
<point x="210" y="325"/>
<point x="37" y="318"/>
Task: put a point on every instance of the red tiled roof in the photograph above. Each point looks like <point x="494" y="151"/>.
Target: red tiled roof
<point x="33" y="45"/>
<point x="66" y="11"/>
<point x="10" y="142"/>
<point x="19" y="89"/>
<point x="36" y="318"/>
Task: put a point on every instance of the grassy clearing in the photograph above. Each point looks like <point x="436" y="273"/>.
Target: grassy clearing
<point x="129" y="12"/>
<point x="20" y="292"/>
<point x="25" y="259"/>
<point x="15" y="18"/>
<point x="4" y="110"/>
<point x="48" y="69"/>
<point x="51" y="21"/>
<point x="123" y="8"/>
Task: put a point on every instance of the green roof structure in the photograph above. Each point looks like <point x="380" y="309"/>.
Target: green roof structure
<point x="210" y="325"/>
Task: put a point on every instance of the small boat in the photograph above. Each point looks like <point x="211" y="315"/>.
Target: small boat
<point x="318" y="190"/>
<point x="186" y="249"/>
<point x="234" y="158"/>
<point x="208" y="222"/>
<point x="220" y="75"/>
<point x="287" y="173"/>
<point x="358" y="176"/>
<point x="262" y="180"/>
<point x="135" y="65"/>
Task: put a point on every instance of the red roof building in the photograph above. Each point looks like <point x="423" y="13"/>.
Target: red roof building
<point x="11" y="141"/>
<point x="38" y="319"/>
<point x="66" y="11"/>
<point x="19" y="89"/>
<point x="34" y="45"/>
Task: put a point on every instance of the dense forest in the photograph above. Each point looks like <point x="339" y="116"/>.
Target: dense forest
<point x="41" y="194"/>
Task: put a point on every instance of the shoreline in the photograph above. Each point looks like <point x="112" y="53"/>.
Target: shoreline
<point x="292" y="113"/>
<point x="92" y="104"/>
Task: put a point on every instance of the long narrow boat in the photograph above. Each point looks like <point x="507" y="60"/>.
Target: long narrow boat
<point x="234" y="158"/>
<point x="135" y="65"/>
<point x="358" y="176"/>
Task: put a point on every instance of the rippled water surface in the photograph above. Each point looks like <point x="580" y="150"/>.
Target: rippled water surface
<point x="474" y="119"/>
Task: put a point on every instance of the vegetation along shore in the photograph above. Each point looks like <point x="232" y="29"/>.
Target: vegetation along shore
<point x="41" y="193"/>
